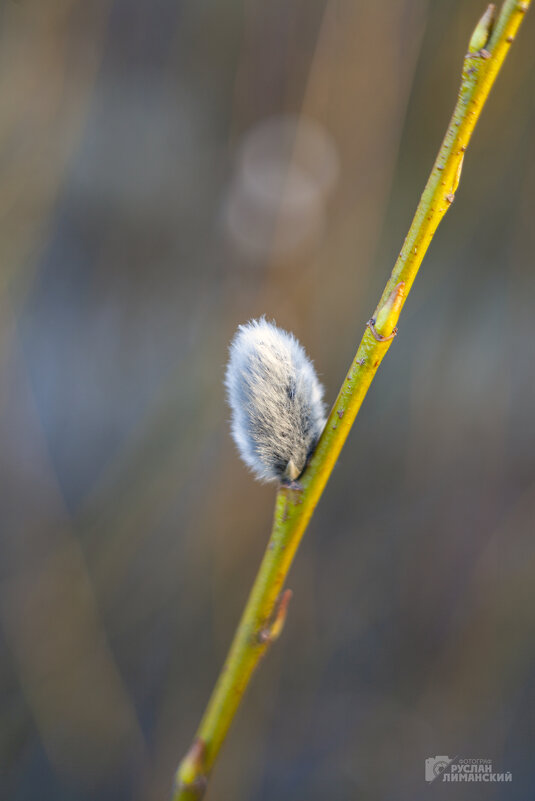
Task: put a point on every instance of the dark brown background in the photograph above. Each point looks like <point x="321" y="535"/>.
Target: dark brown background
<point x="145" y="212"/>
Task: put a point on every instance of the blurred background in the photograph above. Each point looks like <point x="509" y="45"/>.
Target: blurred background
<point x="168" y="171"/>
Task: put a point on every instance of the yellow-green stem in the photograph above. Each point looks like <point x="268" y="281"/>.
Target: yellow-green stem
<point x="264" y="613"/>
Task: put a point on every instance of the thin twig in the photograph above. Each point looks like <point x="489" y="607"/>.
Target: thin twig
<point x="266" y="607"/>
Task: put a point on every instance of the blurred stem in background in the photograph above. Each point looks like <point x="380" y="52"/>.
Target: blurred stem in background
<point x="266" y="608"/>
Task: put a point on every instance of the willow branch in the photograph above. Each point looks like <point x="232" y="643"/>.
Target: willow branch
<point x="264" y="614"/>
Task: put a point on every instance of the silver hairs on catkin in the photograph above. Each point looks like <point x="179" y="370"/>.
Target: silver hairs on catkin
<point x="276" y="401"/>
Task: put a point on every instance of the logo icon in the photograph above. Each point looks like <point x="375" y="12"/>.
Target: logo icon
<point x="435" y="766"/>
<point x="446" y="769"/>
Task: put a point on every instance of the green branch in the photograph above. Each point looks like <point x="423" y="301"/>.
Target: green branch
<point x="264" y="614"/>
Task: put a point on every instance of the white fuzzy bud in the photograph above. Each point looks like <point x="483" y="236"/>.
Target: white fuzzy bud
<point x="276" y="401"/>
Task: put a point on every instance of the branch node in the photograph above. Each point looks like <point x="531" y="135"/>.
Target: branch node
<point x="274" y="627"/>
<point x="291" y="484"/>
<point x="458" y="172"/>
<point x="190" y="775"/>
<point x="482" y="33"/>
<point x="371" y="325"/>
<point x="387" y="315"/>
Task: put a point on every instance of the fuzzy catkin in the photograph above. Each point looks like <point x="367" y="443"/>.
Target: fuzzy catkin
<point x="276" y="401"/>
